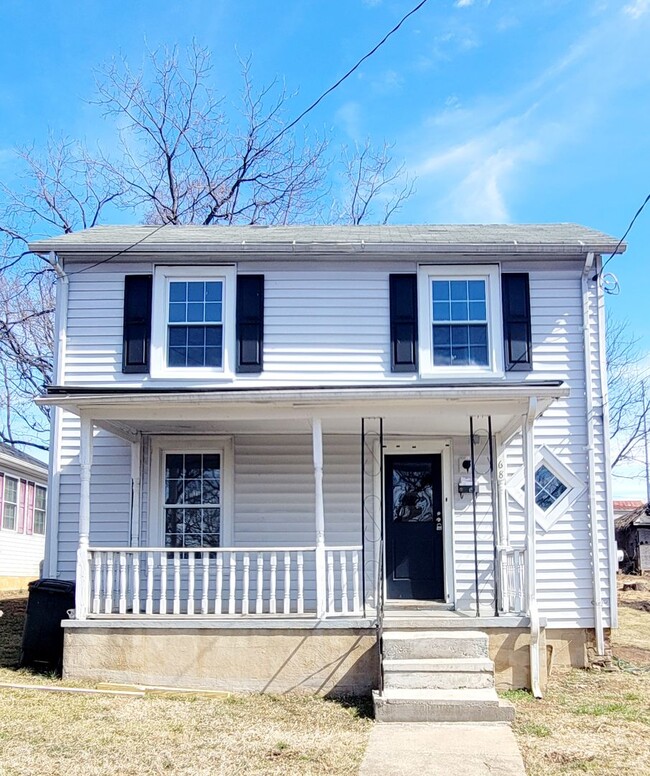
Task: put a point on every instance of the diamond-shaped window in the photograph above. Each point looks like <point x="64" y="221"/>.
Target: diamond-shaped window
<point x="548" y="488"/>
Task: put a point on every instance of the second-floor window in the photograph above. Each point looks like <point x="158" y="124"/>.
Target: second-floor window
<point x="460" y="320"/>
<point x="193" y="323"/>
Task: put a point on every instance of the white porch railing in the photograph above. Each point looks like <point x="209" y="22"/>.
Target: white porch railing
<point x="513" y="580"/>
<point x="226" y="581"/>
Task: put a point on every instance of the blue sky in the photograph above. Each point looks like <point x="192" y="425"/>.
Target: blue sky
<point x="506" y="111"/>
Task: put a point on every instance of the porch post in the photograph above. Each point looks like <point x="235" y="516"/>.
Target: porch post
<point x="531" y="529"/>
<point x="136" y="464"/>
<point x="317" y="442"/>
<point x="82" y="589"/>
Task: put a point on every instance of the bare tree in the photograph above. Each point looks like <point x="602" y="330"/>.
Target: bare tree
<point x="629" y="394"/>
<point x="182" y="155"/>
<point x="372" y="182"/>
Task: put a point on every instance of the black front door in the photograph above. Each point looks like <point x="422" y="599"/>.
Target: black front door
<point x="414" y="527"/>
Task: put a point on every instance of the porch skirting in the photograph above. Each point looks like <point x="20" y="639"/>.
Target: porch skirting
<point x="338" y="658"/>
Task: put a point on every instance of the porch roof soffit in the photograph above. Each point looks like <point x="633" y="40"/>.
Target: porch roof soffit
<point x="151" y="411"/>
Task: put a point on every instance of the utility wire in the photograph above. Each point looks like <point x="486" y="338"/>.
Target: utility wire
<point x="627" y="231"/>
<point x="272" y="141"/>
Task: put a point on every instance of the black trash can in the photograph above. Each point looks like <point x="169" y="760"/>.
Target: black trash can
<point x="48" y="604"/>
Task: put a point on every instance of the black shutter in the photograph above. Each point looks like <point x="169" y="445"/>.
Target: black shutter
<point x="250" y="322"/>
<point x="516" y="321"/>
<point x="403" y="323"/>
<point x="137" y="323"/>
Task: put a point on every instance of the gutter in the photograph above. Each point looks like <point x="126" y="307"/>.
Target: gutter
<point x="591" y="465"/>
<point x="51" y="562"/>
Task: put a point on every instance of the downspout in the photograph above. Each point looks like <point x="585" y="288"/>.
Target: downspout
<point x="591" y="466"/>
<point x="528" y="440"/>
<point x="50" y="565"/>
<point x="611" y="539"/>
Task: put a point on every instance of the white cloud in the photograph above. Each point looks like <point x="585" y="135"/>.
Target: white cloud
<point x="349" y="117"/>
<point x="637" y="8"/>
<point x="464" y="3"/>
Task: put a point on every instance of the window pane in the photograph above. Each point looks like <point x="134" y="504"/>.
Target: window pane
<point x="195" y="357"/>
<point x="178" y="336"/>
<point x="210" y="540"/>
<point x="210" y="521"/>
<point x="458" y="290"/>
<point x="39" y="502"/>
<point x="213" y="357"/>
<point x="195" y="291"/>
<point x="9" y="517"/>
<point x="459" y="335"/>
<point x="441" y="311"/>
<point x="177" y="357"/>
<point x="196" y="336"/>
<point x="477" y="335"/>
<point x="476" y="290"/>
<point x="174" y="522"/>
<point x="177" y="292"/>
<point x="173" y="491"/>
<point x="479" y="355"/>
<point x="211" y="466"/>
<point x="177" y="312"/>
<point x="193" y="466"/>
<point x="210" y="492"/>
<point x="459" y="311"/>
<point x="440" y="290"/>
<point x="192" y="492"/>
<point x="441" y="335"/>
<point x="11" y="490"/>
<point x="477" y="311"/>
<point x="194" y="312"/>
<point x="213" y="313"/>
<point x="213" y="292"/>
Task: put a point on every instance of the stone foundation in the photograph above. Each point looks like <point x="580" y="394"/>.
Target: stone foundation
<point x="315" y="661"/>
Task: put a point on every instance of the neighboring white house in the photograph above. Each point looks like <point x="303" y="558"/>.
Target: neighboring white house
<point x="394" y="433"/>
<point x="23" y="495"/>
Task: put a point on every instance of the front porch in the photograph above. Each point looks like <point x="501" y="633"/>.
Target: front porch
<point x="336" y="581"/>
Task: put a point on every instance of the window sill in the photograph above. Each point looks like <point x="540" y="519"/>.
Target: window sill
<point x="199" y="373"/>
<point x="462" y="373"/>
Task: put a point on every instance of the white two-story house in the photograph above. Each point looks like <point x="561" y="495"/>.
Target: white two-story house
<point x="318" y="458"/>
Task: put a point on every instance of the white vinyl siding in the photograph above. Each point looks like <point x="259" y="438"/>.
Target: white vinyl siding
<point x="327" y="322"/>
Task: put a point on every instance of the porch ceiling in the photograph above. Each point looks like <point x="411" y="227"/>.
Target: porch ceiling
<point x="407" y="410"/>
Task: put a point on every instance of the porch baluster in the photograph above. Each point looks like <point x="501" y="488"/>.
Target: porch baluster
<point x="148" y="608"/>
<point x="232" y="583"/>
<point x="287" y="583"/>
<point x="97" y="563"/>
<point x="274" y="567"/>
<point x="135" y="570"/>
<point x="301" y="583"/>
<point x="177" y="583"/>
<point x="190" y="582"/>
<point x="246" y="585"/>
<point x="330" y="583"/>
<point x="108" y="590"/>
<point x="355" y="581"/>
<point x="219" y="586"/>
<point x="122" y="584"/>
<point x="344" y="581"/>
<point x="205" y="556"/>
<point x="163" y="583"/>
<point x="259" y="603"/>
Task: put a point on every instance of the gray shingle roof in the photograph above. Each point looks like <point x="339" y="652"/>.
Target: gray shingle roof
<point x="20" y="456"/>
<point x="454" y="237"/>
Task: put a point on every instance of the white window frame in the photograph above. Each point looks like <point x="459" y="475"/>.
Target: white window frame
<point x="574" y="488"/>
<point x="161" y="446"/>
<point x="16" y="504"/>
<point x="486" y="272"/>
<point x="43" y="511"/>
<point x="163" y="276"/>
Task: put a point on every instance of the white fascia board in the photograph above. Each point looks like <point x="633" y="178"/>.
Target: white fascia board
<point x="15" y="466"/>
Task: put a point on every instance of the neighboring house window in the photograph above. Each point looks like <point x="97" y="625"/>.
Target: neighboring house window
<point x="10" y="504"/>
<point x="461" y="330"/>
<point x="192" y="500"/>
<point x="39" y="510"/>
<point x="193" y="332"/>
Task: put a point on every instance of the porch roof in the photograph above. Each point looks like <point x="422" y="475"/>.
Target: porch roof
<point x="437" y="409"/>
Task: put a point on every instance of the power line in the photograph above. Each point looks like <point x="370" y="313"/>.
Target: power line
<point x="273" y="140"/>
<point x="620" y="242"/>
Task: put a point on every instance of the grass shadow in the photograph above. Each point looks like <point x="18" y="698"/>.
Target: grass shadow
<point x="360" y="706"/>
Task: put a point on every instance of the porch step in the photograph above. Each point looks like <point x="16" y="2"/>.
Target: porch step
<point x="448" y="620"/>
<point x="426" y="644"/>
<point x="464" y="705"/>
<point x="439" y="673"/>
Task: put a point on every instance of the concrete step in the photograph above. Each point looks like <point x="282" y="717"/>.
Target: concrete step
<point x="469" y="705"/>
<point x="427" y="620"/>
<point x="439" y="673"/>
<point x="419" y="645"/>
